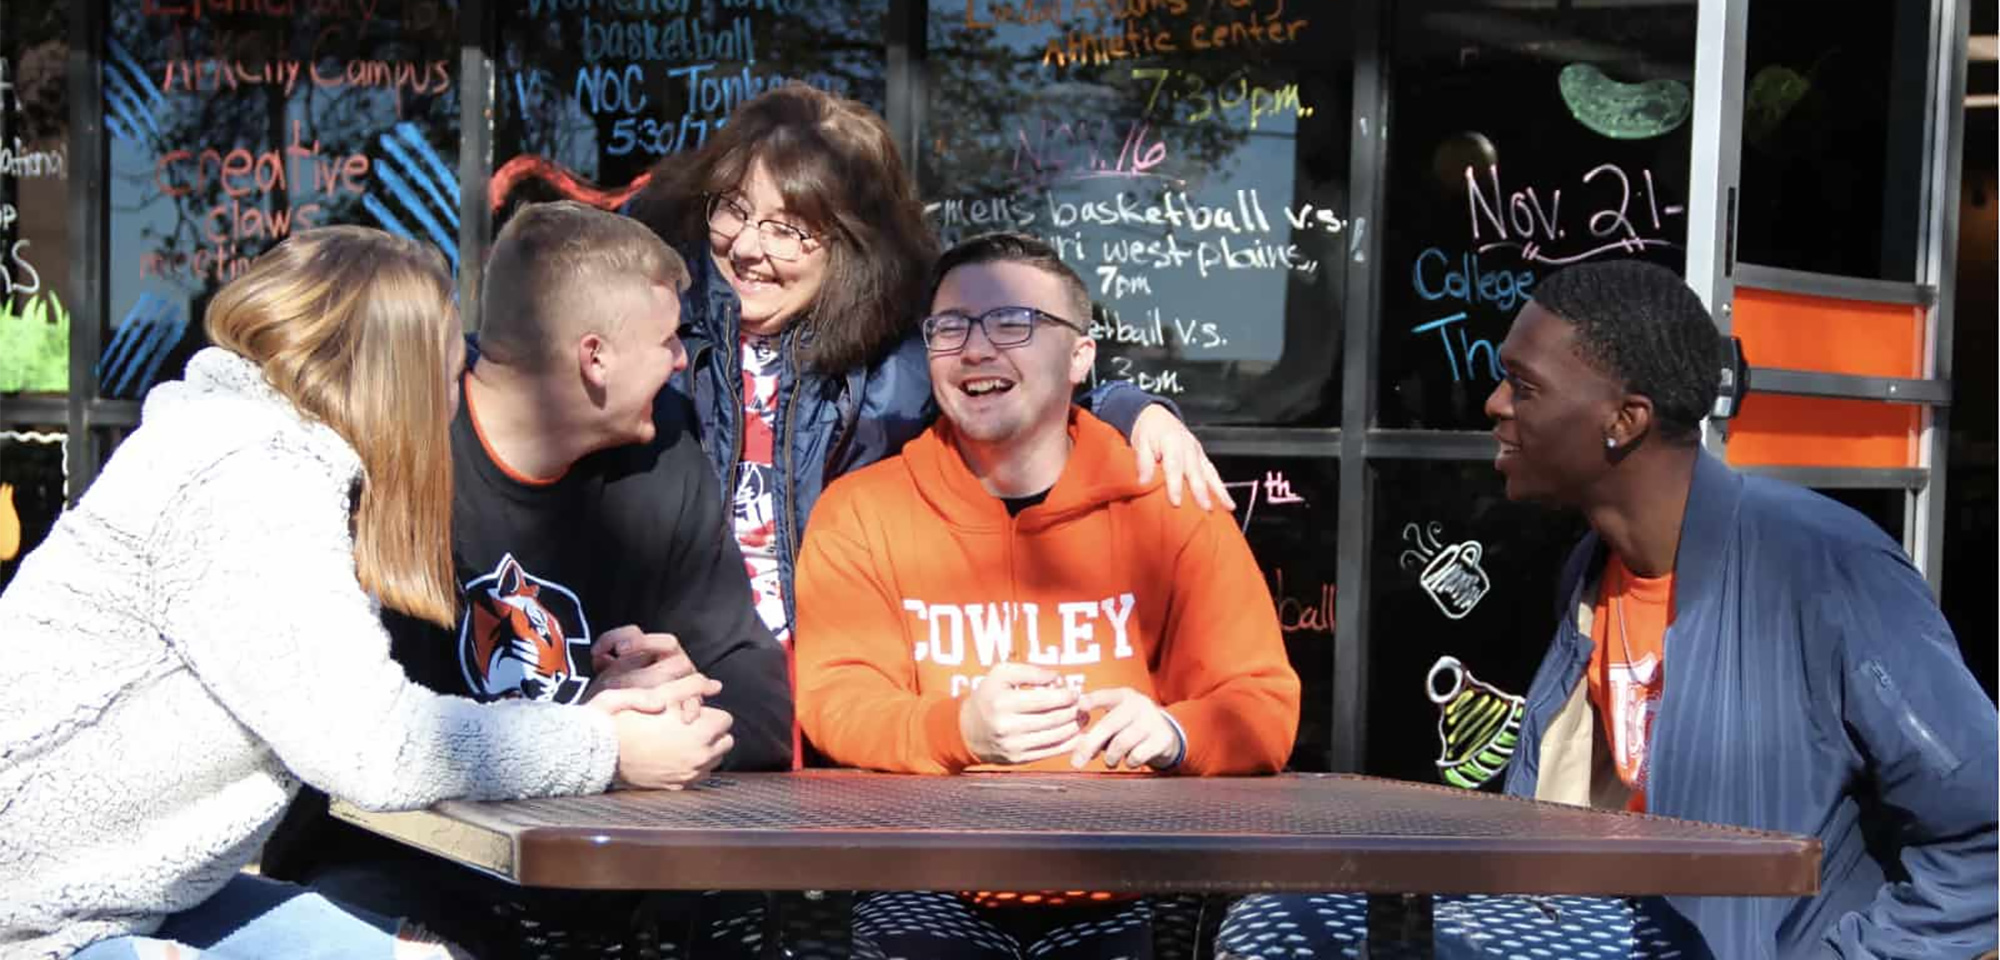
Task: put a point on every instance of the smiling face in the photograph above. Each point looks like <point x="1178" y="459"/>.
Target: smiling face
<point x="1003" y="397"/>
<point x="1552" y="413"/>
<point x="644" y="353"/>
<point x="773" y="291"/>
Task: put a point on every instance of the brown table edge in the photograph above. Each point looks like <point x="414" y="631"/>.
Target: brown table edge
<point x="481" y="848"/>
<point x="1753" y="863"/>
<point x="859" y="860"/>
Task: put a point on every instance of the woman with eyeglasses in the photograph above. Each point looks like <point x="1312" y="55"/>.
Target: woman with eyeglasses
<point x="810" y="257"/>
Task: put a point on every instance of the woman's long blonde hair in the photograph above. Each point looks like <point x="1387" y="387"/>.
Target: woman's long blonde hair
<point x="353" y="325"/>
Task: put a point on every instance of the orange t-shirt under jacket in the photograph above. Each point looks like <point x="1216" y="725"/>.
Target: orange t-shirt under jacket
<point x="914" y="582"/>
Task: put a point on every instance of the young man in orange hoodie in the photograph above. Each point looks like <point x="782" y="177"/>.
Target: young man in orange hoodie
<point x="1007" y="595"/>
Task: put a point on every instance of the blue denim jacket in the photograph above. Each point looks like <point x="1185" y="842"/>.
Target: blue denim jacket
<point x="826" y="424"/>
<point x="1812" y="687"/>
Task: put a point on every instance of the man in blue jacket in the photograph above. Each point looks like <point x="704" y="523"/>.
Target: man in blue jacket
<point x="1735" y="649"/>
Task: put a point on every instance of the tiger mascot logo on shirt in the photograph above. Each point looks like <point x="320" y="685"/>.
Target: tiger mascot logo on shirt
<point x="518" y="637"/>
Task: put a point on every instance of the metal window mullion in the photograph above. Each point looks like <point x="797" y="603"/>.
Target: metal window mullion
<point x="906" y="46"/>
<point x="1721" y="28"/>
<point x="1846" y="386"/>
<point x="1846" y="478"/>
<point x="1470" y="446"/>
<point x="477" y="31"/>
<point x="1924" y="519"/>
<point x="1302" y="442"/>
<point x="1367" y="169"/>
<point x="1834" y="286"/>
<point x="89" y="253"/>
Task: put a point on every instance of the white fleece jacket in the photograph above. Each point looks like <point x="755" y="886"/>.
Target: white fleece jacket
<point x="189" y="644"/>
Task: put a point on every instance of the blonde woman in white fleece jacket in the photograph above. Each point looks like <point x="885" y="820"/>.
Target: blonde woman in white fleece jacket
<point x="201" y="633"/>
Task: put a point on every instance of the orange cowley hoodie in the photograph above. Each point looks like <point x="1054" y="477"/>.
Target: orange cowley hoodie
<point x="914" y="582"/>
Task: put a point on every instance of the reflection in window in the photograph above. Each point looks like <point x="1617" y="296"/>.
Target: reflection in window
<point x="1526" y="139"/>
<point x="1833" y="135"/>
<point x="1188" y="159"/>
<point x="1458" y="570"/>
<point x="588" y="97"/>
<point x="34" y="198"/>
<point x="229" y="131"/>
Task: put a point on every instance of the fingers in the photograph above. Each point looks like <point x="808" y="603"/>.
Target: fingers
<point x="1094" y="740"/>
<point x="1144" y="451"/>
<point x="605" y="651"/>
<point x="660" y="750"/>
<point x="714" y="725"/>
<point x="1133" y="731"/>
<point x="1013" y="673"/>
<point x="1143" y="456"/>
<point x="1198" y="486"/>
<point x="1096" y="700"/>
<point x="629" y="648"/>
<point x="1010" y="725"/>
<point x="1138" y="745"/>
<point x="665" y="671"/>
<point x="652" y="648"/>
<point x="1036" y="700"/>
<point x="1032" y="746"/>
<point x="1215" y="484"/>
<point x="611" y="697"/>
<point x="1171" y="468"/>
<point x="613" y="702"/>
<point x="1055" y="749"/>
<point x="681" y="688"/>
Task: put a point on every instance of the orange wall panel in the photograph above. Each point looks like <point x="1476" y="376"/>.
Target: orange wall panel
<point x="1782" y="431"/>
<point x="1828" y="335"/>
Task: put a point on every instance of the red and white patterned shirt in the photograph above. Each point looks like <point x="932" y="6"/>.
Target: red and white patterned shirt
<point x="755" y="510"/>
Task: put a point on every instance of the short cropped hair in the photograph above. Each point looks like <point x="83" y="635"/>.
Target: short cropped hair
<point x="547" y="264"/>
<point x="1640" y="323"/>
<point x="1010" y="247"/>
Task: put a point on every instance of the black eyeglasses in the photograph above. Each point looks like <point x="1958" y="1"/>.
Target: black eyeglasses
<point x="1004" y="327"/>
<point x="727" y="217"/>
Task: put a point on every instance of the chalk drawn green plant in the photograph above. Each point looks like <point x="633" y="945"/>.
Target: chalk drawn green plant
<point x="34" y="344"/>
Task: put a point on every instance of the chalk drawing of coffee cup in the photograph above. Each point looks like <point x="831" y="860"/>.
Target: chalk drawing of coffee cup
<point x="1454" y="579"/>
<point x="1451" y="575"/>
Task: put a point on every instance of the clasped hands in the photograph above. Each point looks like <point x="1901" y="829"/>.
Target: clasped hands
<point x="668" y="737"/>
<point x="1020" y="713"/>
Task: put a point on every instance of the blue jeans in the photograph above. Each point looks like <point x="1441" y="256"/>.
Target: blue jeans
<point x="256" y="918"/>
<point x="1298" y="926"/>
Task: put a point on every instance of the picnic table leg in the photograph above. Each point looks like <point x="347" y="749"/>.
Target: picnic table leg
<point x="1399" y="926"/>
<point x="808" y="925"/>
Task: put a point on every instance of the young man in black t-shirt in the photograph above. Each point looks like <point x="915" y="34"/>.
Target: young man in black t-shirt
<point x="590" y="546"/>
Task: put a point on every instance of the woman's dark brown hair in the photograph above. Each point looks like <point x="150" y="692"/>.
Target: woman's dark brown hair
<point x="836" y="165"/>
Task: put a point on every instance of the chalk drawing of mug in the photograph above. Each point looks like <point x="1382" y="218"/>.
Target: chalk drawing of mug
<point x="1478" y="726"/>
<point x="1451" y="575"/>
